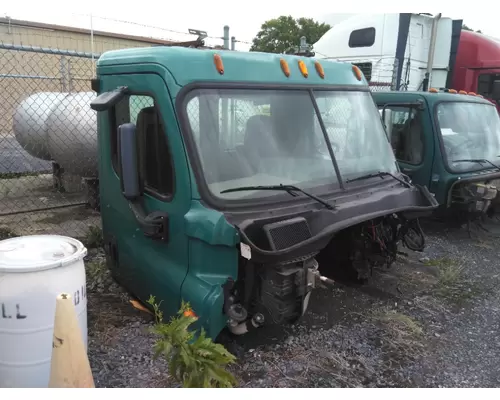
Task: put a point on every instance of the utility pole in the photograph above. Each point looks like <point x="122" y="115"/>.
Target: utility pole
<point x="226" y="37"/>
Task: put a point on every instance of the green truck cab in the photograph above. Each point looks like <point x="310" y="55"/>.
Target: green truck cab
<point x="449" y="142"/>
<point x="220" y="185"/>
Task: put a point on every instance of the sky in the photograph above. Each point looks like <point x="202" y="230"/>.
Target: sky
<point x="165" y="20"/>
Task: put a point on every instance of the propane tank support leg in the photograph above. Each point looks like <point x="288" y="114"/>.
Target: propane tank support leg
<point x="57" y="177"/>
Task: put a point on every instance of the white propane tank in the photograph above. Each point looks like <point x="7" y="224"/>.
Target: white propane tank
<point x="34" y="270"/>
<point x="72" y="134"/>
<point x="29" y="122"/>
<point x="59" y="127"/>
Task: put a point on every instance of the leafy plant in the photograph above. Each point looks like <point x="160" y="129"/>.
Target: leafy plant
<point x="93" y="237"/>
<point x="195" y="361"/>
<point x="6" y="233"/>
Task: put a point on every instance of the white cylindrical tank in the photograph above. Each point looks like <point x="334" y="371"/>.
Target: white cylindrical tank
<point x="72" y="134"/>
<point x="60" y="127"/>
<point x="29" y="122"/>
<point x="34" y="270"/>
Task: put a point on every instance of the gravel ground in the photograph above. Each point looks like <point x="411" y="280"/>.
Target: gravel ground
<point x="429" y="321"/>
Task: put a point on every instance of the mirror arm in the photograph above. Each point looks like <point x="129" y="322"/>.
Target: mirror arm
<point x="106" y="100"/>
<point x="154" y="225"/>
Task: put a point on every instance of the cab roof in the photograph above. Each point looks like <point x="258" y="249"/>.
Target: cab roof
<point x="189" y="65"/>
<point x="408" y="96"/>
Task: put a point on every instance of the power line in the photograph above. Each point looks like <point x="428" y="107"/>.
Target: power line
<point x="247" y="42"/>
<point x="144" y="25"/>
<point x="243" y="41"/>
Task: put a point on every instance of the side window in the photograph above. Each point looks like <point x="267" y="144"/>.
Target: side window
<point x="193" y="111"/>
<point x="483" y="85"/>
<point x="362" y="38"/>
<point x="156" y="169"/>
<point x="486" y="85"/>
<point x="404" y="129"/>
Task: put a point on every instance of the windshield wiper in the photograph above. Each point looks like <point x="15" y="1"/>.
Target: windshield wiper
<point x="478" y="160"/>
<point x="290" y="189"/>
<point x="380" y="174"/>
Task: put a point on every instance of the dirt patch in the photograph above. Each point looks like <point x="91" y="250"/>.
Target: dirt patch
<point x="29" y="204"/>
<point x="431" y="320"/>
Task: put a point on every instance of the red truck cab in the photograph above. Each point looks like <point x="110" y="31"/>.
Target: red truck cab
<point x="477" y="66"/>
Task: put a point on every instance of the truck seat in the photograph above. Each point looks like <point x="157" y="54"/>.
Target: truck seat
<point x="259" y="142"/>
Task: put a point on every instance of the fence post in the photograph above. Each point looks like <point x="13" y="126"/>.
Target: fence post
<point x="62" y="71"/>
<point x="70" y="79"/>
<point x="394" y="82"/>
<point x="226" y="37"/>
<point x="233" y="103"/>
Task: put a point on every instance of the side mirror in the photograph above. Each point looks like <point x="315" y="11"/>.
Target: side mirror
<point x="128" y="161"/>
<point x="495" y="90"/>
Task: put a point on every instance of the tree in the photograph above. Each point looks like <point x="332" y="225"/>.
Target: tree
<point x="279" y="35"/>
<point x="466" y="28"/>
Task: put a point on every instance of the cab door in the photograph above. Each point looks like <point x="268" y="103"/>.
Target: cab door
<point x="145" y="265"/>
<point x="411" y="135"/>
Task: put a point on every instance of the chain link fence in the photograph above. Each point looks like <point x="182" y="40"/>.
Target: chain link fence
<point x="48" y="142"/>
<point x="381" y="74"/>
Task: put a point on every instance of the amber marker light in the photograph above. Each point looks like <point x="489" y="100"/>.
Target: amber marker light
<point x="357" y="72"/>
<point x="285" y="68"/>
<point x="319" y="69"/>
<point x="303" y="68"/>
<point x="219" y="66"/>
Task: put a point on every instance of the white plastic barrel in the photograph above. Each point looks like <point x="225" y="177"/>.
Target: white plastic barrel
<point x="34" y="270"/>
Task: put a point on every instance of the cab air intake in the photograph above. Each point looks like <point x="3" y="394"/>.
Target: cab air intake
<point x="284" y="234"/>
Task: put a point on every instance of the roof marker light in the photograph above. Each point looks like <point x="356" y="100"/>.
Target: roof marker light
<point x="471" y="94"/>
<point x="303" y="68"/>
<point x="452" y="91"/>
<point x="319" y="69"/>
<point x="357" y="72"/>
<point x="218" y="64"/>
<point x="284" y="67"/>
<point x="433" y="90"/>
<point x="462" y="92"/>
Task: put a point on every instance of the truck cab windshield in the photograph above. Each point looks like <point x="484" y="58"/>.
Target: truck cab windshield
<point x="262" y="137"/>
<point x="469" y="131"/>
